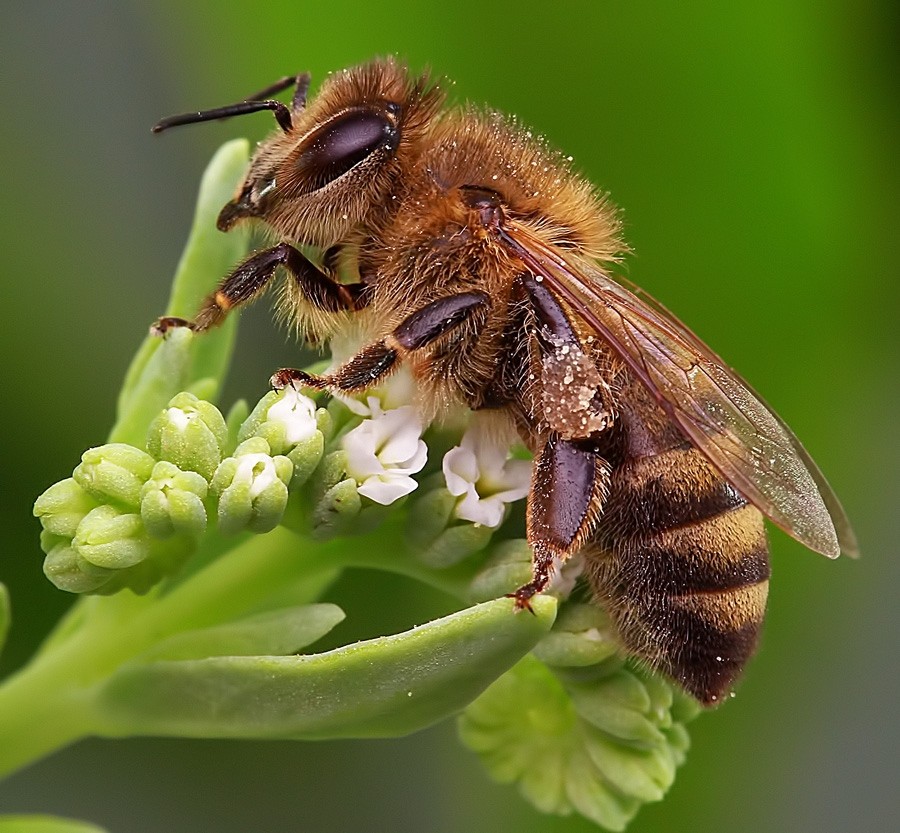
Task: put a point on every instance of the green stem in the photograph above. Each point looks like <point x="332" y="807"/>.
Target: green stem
<point x="49" y="703"/>
<point x="40" y="712"/>
<point x="386" y="549"/>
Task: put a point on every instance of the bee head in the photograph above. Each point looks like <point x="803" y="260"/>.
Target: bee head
<point x="335" y="166"/>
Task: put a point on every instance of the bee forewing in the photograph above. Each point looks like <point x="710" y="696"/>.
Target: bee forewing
<point x="751" y="446"/>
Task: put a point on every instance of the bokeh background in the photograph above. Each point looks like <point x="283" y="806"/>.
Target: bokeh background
<point x="754" y="149"/>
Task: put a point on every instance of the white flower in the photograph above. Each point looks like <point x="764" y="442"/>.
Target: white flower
<point x="370" y="406"/>
<point x="297" y="413"/>
<point x="393" y="393"/>
<point x="257" y="471"/>
<point x="382" y="453"/>
<point x="479" y="470"/>
<point x="179" y="418"/>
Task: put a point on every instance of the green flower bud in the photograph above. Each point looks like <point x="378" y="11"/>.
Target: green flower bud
<point x="251" y="425"/>
<point x="336" y="509"/>
<point x="62" y="507"/>
<point x="306" y="456"/>
<point x="615" y="700"/>
<point x="107" y="537"/>
<point x="508" y="568"/>
<point x="434" y="535"/>
<point x="290" y="423"/>
<point x="252" y="488"/>
<point x="69" y="571"/>
<point x="586" y="740"/>
<point x="190" y="433"/>
<point x="333" y="501"/>
<point x="172" y="502"/>
<point x="49" y="540"/>
<point x="284" y="419"/>
<point x="332" y="471"/>
<point x="114" y="472"/>
<point x="582" y="635"/>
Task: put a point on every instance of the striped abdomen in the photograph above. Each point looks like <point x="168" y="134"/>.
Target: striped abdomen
<point x="681" y="563"/>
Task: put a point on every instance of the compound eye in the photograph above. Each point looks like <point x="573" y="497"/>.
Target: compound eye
<point x="344" y="142"/>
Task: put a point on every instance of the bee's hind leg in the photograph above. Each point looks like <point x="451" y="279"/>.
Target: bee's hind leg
<point x="569" y="482"/>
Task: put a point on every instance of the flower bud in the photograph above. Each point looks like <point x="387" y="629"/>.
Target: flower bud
<point x="61" y="508"/>
<point x="332" y="471"/>
<point x="305" y="457"/>
<point x="172" y="502"/>
<point x="508" y="568"/>
<point x="114" y="472"/>
<point x="283" y="418"/>
<point x="582" y="635"/>
<point x="252" y="488"/>
<point x="436" y="537"/>
<point x="107" y="537"/>
<point x="290" y="423"/>
<point x="190" y="433"/>
<point x="68" y="571"/>
<point x="597" y="726"/>
<point x="336" y="509"/>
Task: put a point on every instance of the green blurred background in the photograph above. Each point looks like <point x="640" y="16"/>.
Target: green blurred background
<point x="754" y="150"/>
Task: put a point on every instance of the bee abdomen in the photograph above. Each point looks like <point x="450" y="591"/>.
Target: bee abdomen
<point x="683" y="568"/>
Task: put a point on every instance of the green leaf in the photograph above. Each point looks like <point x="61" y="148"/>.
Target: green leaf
<point x="45" y="824"/>
<point x="384" y="687"/>
<point x="273" y="633"/>
<point x="165" y="371"/>
<point x="164" y="366"/>
<point x="5" y="614"/>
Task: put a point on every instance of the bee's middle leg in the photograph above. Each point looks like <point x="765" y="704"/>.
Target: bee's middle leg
<point x="379" y="359"/>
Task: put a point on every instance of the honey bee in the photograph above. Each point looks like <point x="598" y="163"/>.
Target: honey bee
<point x="482" y="262"/>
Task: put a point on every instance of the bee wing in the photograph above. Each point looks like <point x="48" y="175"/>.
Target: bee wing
<point x="749" y="444"/>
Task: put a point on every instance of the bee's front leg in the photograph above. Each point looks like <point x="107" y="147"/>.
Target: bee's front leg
<point x="379" y="359"/>
<point x="252" y="276"/>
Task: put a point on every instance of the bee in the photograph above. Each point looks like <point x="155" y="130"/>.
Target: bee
<point x="483" y="262"/>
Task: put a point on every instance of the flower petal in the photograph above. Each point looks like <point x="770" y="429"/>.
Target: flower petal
<point x="387" y="488"/>
<point x="460" y="469"/>
<point x="488" y="512"/>
<point x="297" y="413"/>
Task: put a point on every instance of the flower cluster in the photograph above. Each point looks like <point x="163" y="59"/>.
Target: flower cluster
<point x="578" y="730"/>
<point x="129" y="517"/>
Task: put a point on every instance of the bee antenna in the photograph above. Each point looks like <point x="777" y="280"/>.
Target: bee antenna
<point x="252" y="104"/>
<point x="302" y="82"/>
